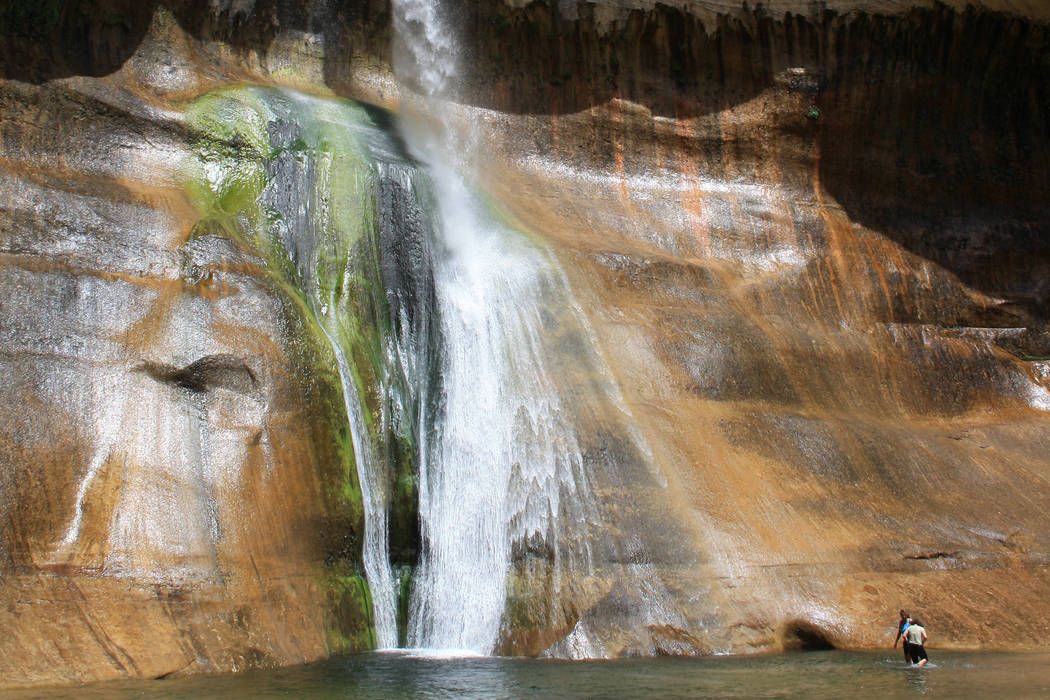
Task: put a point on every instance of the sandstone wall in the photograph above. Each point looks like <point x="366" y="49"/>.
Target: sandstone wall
<point x="812" y="240"/>
<point x="177" y="487"/>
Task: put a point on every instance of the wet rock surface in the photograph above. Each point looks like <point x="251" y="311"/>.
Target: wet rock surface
<point x="813" y="376"/>
<point x="812" y="243"/>
<point x="174" y="494"/>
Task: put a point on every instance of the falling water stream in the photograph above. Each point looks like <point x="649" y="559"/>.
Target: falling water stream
<point x="340" y="216"/>
<point x="503" y="455"/>
<point x="503" y="464"/>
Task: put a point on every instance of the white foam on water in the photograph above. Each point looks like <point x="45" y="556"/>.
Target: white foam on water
<point x="437" y="654"/>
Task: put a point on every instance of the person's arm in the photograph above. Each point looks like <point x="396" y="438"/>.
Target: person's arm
<point x="924" y="635"/>
<point x="900" y="631"/>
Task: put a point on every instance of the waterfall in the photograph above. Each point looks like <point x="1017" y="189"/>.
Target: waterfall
<point x="457" y="342"/>
<point x="375" y="548"/>
<point x="502" y="467"/>
<point x="503" y="455"/>
<point x="424" y="46"/>
<point x="300" y="190"/>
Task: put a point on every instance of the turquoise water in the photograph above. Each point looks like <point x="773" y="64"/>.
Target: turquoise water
<point x="831" y="674"/>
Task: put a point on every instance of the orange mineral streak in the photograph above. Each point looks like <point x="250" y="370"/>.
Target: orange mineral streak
<point x="618" y="136"/>
<point x="692" y="192"/>
<point x="838" y="229"/>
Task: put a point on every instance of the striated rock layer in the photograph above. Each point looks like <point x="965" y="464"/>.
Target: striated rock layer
<point x="817" y="245"/>
<point x="811" y="239"/>
<point x="177" y="484"/>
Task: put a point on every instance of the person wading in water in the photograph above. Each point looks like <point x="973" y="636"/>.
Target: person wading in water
<point x="902" y="627"/>
<point x="916" y="635"/>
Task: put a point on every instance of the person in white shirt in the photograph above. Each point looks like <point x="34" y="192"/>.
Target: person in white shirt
<point x="916" y="635"/>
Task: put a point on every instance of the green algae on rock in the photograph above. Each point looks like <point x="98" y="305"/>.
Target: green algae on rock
<point x="294" y="178"/>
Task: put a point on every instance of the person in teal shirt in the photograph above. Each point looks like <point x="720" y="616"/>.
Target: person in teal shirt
<point x="902" y="628"/>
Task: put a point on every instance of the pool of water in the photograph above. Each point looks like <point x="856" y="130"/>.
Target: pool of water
<point x="832" y="674"/>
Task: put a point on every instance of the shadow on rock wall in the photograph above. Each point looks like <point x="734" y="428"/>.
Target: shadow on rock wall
<point x="45" y="39"/>
<point x="936" y="134"/>
<point x="41" y="40"/>
<point x="538" y="60"/>
<point x="933" y="125"/>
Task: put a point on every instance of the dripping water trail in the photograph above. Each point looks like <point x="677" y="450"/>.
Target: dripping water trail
<point x="371" y="475"/>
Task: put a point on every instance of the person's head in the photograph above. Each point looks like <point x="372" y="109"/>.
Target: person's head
<point x="914" y="622"/>
<point x="904" y="615"/>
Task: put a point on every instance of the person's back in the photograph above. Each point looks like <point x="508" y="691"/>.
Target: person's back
<point x="916" y="637"/>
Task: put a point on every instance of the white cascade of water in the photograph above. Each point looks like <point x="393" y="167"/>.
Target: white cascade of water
<point x="503" y="464"/>
<point x="424" y="47"/>
<point x="503" y="456"/>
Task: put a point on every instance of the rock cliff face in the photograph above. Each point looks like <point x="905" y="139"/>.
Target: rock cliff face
<point x="177" y="484"/>
<point x="812" y="241"/>
<point x="804" y="235"/>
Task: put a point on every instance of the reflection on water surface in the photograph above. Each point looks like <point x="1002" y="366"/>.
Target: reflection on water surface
<point x="407" y="675"/>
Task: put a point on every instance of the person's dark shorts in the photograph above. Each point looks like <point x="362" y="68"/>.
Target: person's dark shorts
<point x="907" y="651"/>
<point x="918" y="653"/>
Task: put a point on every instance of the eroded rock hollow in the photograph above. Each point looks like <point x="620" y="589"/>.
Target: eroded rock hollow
<point x="787" y="356"/>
